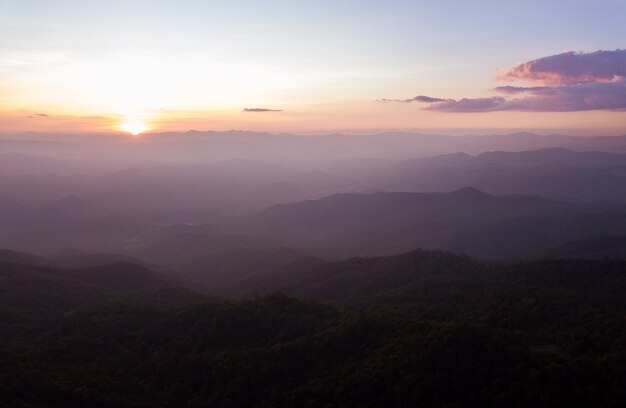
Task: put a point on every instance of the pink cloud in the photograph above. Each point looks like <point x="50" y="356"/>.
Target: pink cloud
<point x="570" y="68"/>
<point x="567" y="82"/>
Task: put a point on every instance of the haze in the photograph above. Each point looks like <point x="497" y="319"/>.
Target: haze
<point x="322" y="204"/>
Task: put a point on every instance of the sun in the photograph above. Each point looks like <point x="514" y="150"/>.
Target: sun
<point x="134" y="128"/>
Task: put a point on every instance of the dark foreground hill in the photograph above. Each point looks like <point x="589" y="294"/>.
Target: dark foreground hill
<point x="418" y="329"/>
<point x="35" y="294"/>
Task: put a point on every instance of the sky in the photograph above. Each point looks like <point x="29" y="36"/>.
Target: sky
<point x="302" y="66"/>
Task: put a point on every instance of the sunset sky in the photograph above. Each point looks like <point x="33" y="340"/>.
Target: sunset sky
<point x="296" y="66"/>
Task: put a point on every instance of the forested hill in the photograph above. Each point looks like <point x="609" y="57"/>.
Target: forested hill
<point x="418" y="329"/>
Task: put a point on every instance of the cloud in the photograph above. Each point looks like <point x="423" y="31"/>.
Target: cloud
<point x="38" y="114"/>
<point x="261" y="110"/>
<point x="570" y="68"/>
<point x="567" y="82"/>
<point x="570" y="98"/>
<point x="514" y="90"/>
<point x="420" y="98"/>
<point x="469" y="105"/>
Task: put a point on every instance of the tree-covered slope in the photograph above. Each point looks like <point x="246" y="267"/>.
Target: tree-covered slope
<point x="419" y="329"/>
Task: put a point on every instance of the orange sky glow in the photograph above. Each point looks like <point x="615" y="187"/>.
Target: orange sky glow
<point x="130" y="67"/>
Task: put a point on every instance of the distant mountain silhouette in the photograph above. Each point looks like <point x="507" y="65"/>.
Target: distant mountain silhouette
<point x="594" y="247"/>
<point x="525" y="237"/>
<point x="385" y="223"/>
<point x="554" y="157"/>
<point x="66" y="209"/>
<point x="70" y="208"/>
<point x="9" y="256"/>
<point x="198" y="146"/>
<point x="18" y="163"/>
<point x="217" y="262"/>
<point x="418" y="275"/>
<point x="11" y="212"/>
<point x="553" y="173"/>
<point x="358" y="277"/>
<point x="43" y="292"/>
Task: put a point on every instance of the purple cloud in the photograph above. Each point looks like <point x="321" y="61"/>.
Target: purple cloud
<point x="570" y="68"/>
<point x="260" y="110"/>
<point x="570" y="82"/>
<point x="514" y="90"/>
<point x="570" y="98"/>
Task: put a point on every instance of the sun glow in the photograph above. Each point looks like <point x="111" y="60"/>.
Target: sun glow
<point x="134" y="128"/>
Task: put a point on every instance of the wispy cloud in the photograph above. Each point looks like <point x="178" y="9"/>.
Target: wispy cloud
<point x="514" y="90"/>
<point x="469" y="105"/>
<point x="419" y="98"/>
<point x="565" y="82"/>
<point x="261" y="110"/>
